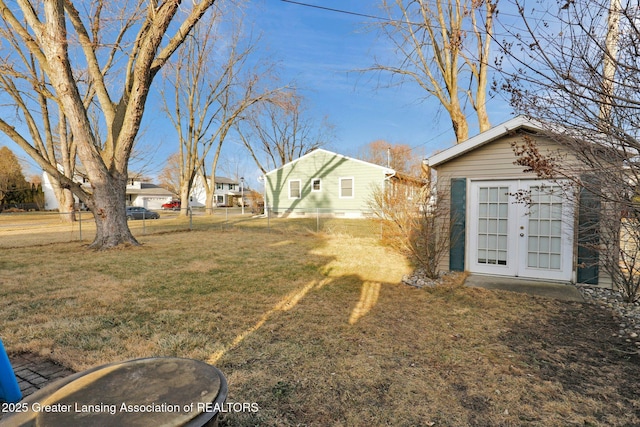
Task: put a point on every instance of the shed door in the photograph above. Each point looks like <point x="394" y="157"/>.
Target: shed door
<point x="520" y="228"/>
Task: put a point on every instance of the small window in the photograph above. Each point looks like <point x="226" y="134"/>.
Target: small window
<point x="294" y="189"/>
<point x="346" y="188"/>
<point x="316" y="184"/>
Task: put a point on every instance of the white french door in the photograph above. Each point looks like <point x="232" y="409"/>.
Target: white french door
<point x="520" y="228"/>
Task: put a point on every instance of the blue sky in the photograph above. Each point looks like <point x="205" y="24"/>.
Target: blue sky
<point x="320" y="51"/>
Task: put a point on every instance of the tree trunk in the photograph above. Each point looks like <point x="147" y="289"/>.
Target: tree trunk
<point x="66" y="204"/>
<point x="459" y="122"/>
<point x="185" y="189"/>
<point x="209" y="200"/>
<point x="65" y="199"/>
<point x="109" y="211"/>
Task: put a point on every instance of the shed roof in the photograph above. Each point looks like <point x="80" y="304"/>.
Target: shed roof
<point x="519" y="122"/>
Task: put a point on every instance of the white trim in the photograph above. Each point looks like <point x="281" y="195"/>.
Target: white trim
<point x="353" y="187"/>
<point x="519" y="122"/>
<point x="322" y="150"/>
<point x="320" y="185"/>
<point x="518" y="234"/>
<point x="299" y="188"/>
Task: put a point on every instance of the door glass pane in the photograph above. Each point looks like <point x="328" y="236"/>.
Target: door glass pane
<point x="493" y="215"/>
<point x="545" y="228"/>
<point x="502" y="243"/>
<point x="483" y="196"/>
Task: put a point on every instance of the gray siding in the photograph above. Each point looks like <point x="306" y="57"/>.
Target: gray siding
<point x="495" y="160"/>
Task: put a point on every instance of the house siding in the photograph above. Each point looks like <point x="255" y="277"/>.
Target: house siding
<point x="330" y="168"/>
<point x="495" y="160"/>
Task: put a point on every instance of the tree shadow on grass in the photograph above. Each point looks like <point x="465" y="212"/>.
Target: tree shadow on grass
<point x="576" y="348"/>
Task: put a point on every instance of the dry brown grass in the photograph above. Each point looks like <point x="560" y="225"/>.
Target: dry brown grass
<point x="318" y="331"/>
<point x="39" y="228"/>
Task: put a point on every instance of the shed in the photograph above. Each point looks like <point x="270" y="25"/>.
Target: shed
<point x="505" y="221"/>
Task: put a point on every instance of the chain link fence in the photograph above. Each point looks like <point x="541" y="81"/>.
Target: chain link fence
<point x="18" y="229"/>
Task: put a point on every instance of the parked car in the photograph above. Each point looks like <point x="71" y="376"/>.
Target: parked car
<point x="137" y="212"/>
<point x="173" y="205"/>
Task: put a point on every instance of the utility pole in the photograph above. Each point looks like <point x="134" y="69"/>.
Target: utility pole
<point x="242" y="193"/>
<point x="609" y="63"/>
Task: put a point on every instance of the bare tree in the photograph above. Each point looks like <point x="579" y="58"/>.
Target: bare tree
<point x="38" y="109"/>
<point x="399" y="157"/>
<point x="170" y="175"/>
<point x="74" y="48"/>
<point x="577" y="70"/>
<point x="279" y="131"/>
<point x="213" y="83"/>
<point x="414" y="222"/>
<point x="444" y="47"/>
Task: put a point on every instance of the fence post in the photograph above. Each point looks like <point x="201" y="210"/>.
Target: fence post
<point x="268" y="219"/>
<point x="80" y="224"/>
<point x="190" y="211"/>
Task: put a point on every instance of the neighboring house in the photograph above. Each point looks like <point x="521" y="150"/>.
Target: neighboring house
<point x="50" y="200"/>
<point x="147" y="195"/>
<point x="491" y="232"/>
<point x="139" y="193"/>
<point x="328" y="183"/>
<point x="228" y="192"/>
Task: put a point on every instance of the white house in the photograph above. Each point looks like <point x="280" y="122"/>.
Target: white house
<point x="50" y="201"/>
<point x="147" y="195"/>
<point x="227" y="192"/>
<point x="139" y="193"/>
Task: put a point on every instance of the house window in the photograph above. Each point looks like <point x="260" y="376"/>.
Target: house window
<point x="316" y="184"/>
<point x="294" y="189"/>
<point x="346" y="188"/>
<point x="219" y="186"/>
<point x="231" y="186"/>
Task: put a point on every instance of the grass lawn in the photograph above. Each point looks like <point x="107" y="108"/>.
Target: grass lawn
<point x="318" y="331"/>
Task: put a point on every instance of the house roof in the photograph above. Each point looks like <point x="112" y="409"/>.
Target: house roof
<point x="224" y="180"/>
<point x="409" y="179"/>
<point x="388" y="171"/>
<point x="519" y="122"/>
<point x="149" y="189"/>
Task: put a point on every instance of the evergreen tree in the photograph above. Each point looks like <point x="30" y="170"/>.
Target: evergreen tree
<point x="13" y="185"/>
